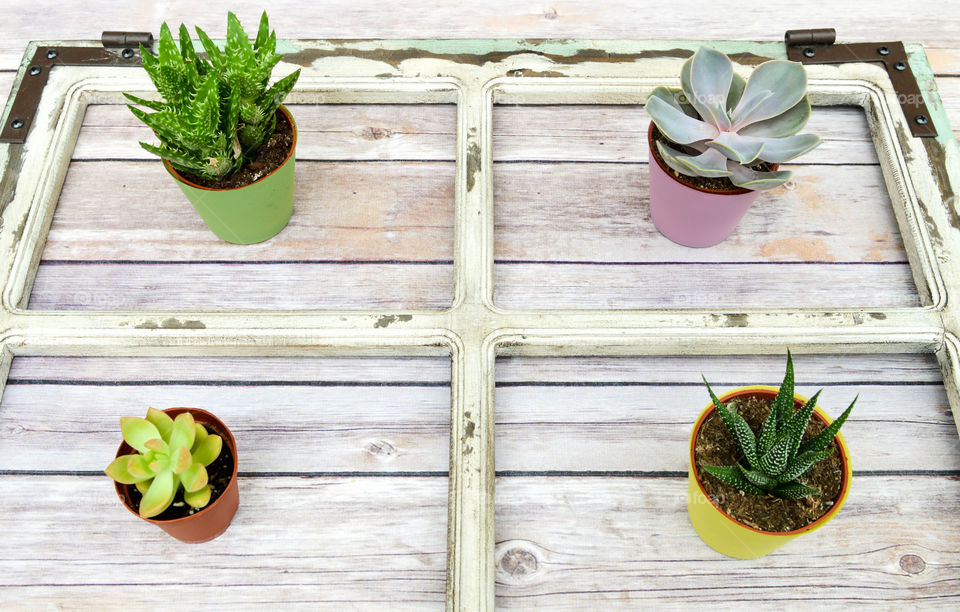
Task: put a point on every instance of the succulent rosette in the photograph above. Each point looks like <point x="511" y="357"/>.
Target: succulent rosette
<point x="728" y="125"/>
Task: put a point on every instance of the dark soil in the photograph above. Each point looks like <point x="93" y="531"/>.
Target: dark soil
<point x="218" y="474"/>
<point x="715" y="446"/>
<point x="273" y="152"/>
<point x="703" y="182"/>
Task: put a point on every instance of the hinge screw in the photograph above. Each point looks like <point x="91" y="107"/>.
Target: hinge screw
<point x="127" y="53"/>
<point x="34" y="70"/>
<point x="921" y="119"/>
<point x="900" y="66"/>
<point x="883" y="51"/>
<point x="16" y="123"/>
<point x="809" y="52"/>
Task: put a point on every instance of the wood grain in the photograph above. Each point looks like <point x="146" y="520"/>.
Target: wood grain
<point x="317" y="542"/>
<point x="625" y="543"/>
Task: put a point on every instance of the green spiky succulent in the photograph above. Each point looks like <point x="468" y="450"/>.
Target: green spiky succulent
<point x="776" y="459"/>
<point x="728" y="124"/>
<point x="216" y="110"/>
<point x="171" y="453"/>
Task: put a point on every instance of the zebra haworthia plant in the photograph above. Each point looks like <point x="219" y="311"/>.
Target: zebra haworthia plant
<point x="216" y="111"/>
<point x="729" y="124"/>
<point x="170" y="453"/>
<point x="775" y="459"/>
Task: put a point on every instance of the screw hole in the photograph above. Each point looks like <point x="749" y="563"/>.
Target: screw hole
<point x="34" y="70"/>
<point x="51" y="53"/>
<point x="127" y="53"/>
<point x="921" y="119"/>
<point x="900" y="66"/>
<point x="883" y="51"/>
<point x="809" y="52"/>
<point x="16" y="123"/>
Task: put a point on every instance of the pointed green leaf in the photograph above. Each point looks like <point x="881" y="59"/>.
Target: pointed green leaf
<point x="773" y="88"/>
<point x="199" y="498"/>
<point x="739" y="149"/>
<point x="783" y="402"/>
<point x="737" y="85"/>
<point x="825" y="437"/>
<point x="673" y="98"/>
<point x="739" y="429"/>
<point x="263" y="33"/>
<point x="208" y="450"/>
<point x="162" y="421"/>
<point x="151" y="104"/>
<point x="793" y="490"/>
<point x="779" y="150"/>
<point x="136" y="432"/>
<point x="274" y="96"/>
<point x="731" y="475"/>
<point x="775" y="460"/>
<point x="709" y="163"/>
<point x="139" y="467"/>
<point x="802" y="463"/>
<point x="797" y="424"/>
<point x="768" y="432"/>
<point x="214" y="54"/>
<point x="159" y="496"/>
<point x="758" y="478"/>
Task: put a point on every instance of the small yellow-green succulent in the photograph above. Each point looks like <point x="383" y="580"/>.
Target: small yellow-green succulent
<point x="171" y="453"/>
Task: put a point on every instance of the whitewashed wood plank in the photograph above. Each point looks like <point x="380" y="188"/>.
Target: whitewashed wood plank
<point x="619" y="133"/>
<point x="949" y="89"/>
<point x="342" y="211"/>
<point x="329" y="543"/>
<point x="622" y="544"/>
<point x="278" y="428"/>
<point x="647" y="428"/>
<point x="731" y="369"/>
<point x="239" y="286"/>
<point x="325" y="131"/>
<point x="718" y="286"/>
<point x="297" y="370"/>
<point x="600" y="212"/>
<point x="926" y="22"/>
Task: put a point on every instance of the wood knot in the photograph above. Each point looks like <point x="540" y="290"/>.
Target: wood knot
<point x="517" y="561"/>
<point x="912" y="564"/>
<point x="376" y="133"/>
<point x="550" y="13"/>
<point x="381" y="449"/>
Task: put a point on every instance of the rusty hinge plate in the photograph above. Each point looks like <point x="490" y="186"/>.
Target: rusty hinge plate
<point x="119" y="49"/>
<point x="818" y="46"/>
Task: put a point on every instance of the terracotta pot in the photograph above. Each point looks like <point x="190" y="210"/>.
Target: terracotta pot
<point x="726" y="534"/>
<point x="213" y="519"/>
<point x="689" y="215"/>
<point x="249" y="214"/>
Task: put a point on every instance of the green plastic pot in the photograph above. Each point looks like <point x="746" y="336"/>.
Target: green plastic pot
<point x="249" y="214"/>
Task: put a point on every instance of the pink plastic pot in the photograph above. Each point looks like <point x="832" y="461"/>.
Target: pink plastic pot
<point x="688" y="215"/>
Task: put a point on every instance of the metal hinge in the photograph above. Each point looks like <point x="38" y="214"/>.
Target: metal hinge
<point x="119" y="49"/>
<point x="817" y="46"/>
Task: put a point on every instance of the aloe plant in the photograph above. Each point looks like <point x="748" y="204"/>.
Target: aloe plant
<point x="729" y="124"/>
<point x="777" y="458"/>
<point x="216" y="110"/>
<point x="170" y="453"/>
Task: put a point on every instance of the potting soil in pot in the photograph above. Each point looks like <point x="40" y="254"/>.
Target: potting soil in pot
<point x="715" y="446"/>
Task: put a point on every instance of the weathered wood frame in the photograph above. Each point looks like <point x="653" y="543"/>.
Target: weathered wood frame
<point x="921" y="176"/>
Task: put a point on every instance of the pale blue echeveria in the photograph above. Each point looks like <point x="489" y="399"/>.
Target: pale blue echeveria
<point x="732" y="123"/>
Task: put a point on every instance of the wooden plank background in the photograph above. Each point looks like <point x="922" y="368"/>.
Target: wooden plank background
<point x="344" y="489"/>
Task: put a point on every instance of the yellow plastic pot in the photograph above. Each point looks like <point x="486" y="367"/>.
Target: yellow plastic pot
<point x="729" y="536"/>
<point x="249" y="214"/>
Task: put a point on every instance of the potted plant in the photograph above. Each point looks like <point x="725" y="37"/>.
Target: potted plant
<point x="177" y="469"/>
<point x="718" y="140"/>
<point x="766" y="465"/>
<point x="224" y="137"/>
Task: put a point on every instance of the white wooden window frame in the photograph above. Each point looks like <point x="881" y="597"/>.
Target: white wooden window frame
<point x="476" y="75"/>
